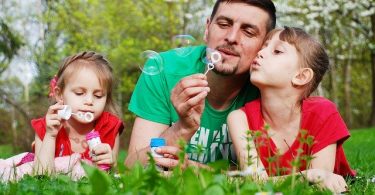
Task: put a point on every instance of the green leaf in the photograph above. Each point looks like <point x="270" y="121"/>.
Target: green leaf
<point x="99" y="180"/>
<point x="214" y="189"/>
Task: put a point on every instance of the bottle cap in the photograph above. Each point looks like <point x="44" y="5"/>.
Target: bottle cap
<point x="65" y="113"/>
<point x="156" y="142"/>
<point x="91" y="135"/>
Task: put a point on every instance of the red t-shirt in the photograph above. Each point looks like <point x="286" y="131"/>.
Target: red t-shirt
<point x="320" y="119"/>
<point x="108" y="126"/>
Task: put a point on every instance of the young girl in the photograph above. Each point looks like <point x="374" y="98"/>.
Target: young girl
<point x="84" y="82"/>
<point x="286" y="125"/>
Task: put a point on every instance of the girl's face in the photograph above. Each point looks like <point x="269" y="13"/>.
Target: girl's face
<point x="84" y="93"/>
<point x="275" y="65"/>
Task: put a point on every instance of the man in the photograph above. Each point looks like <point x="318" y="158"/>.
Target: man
<point x="183" y="103"/>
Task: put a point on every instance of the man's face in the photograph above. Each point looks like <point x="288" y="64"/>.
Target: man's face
<point x="237" y="32"/>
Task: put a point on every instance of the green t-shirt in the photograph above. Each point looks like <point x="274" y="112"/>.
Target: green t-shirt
<point x="151" y="101"/>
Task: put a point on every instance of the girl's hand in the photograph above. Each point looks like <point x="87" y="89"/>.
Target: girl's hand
<point x="335" y="183"/>
<point x="53" y="121"/>
<point x="102" y="154"/>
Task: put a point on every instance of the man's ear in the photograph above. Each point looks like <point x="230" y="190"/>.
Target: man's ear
<point x="205" y="36"/>
<point x="58" y="94"/>
<point x="303" y="77"/>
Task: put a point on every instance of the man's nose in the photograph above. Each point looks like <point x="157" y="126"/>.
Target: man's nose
<point x="232" y="35"/>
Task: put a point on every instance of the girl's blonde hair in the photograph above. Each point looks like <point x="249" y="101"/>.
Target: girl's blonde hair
<point x="96" y="62"/>
<point x="310" y="51"/>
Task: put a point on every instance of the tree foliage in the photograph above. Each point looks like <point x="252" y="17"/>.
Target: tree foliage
<point x="10" y="42"/>
<point x="122" y="29"/>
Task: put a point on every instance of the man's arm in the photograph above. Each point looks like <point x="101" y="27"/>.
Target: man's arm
<point x="188" y="99"/>
<point x="143" y="131"/>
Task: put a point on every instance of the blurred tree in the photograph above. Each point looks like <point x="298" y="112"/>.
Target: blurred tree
<point x="10" y="42"/>
<point x="119" y="29"/>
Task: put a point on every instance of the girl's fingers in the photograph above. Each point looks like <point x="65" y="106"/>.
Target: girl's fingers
<point x="105" y="161"/>
<point x="342" y="186"/>
<point x="102" y="159"/>
<point x="55" y="123"/>
<point x="53" y="109"/>
<point x="53" y="117"/>
<point x="102" y="149"/>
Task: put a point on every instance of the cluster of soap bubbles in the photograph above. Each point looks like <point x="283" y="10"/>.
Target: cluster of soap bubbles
<point x="151" y="63"/>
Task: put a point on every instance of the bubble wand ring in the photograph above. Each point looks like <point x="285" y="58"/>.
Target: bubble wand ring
<point x="215" y="58"/>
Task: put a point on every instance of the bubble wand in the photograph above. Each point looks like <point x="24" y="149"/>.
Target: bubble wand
<point x="66" y="113"/>
<point x="215" y="57"/>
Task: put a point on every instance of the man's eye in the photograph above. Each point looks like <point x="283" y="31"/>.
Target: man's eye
<point x="249" y="33"/>
<point x="277" y="51"/>
<point x="223" y="24"/>
<point x="78" y="93"/>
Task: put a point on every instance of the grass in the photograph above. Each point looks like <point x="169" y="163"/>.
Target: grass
<point x="139" y="180"/>
<point x="360" y="151"/>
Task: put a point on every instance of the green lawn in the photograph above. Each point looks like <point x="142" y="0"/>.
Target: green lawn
<point x="360" y="150"/>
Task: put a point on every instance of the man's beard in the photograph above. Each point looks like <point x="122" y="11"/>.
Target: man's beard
<point x="225" y="69"/>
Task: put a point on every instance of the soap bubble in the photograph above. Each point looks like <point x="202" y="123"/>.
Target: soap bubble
<point x="151" y="62"/>
<point x="183" y="44"/>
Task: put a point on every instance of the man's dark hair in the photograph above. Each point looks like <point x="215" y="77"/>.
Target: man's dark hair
<point x="266" y="5"/>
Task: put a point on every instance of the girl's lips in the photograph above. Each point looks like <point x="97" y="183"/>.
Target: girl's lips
<point x="86" y="111"/>
<point x="255" y="65"/>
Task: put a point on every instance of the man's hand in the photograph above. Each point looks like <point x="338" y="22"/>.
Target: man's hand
<point x="171" y="157"/>
<point x="188" y="99"/>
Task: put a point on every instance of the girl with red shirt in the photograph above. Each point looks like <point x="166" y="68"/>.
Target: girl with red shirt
<point x="84" y="82"/>
<point x="286" y="124"/>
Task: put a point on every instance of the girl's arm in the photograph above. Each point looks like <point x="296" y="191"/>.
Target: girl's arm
<point x="244" y="146"/>
<point x="44" y="155"/>
<point x="325" y="158"/>
<point x="320" y="171"/>
<point x="45" y="150"/>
